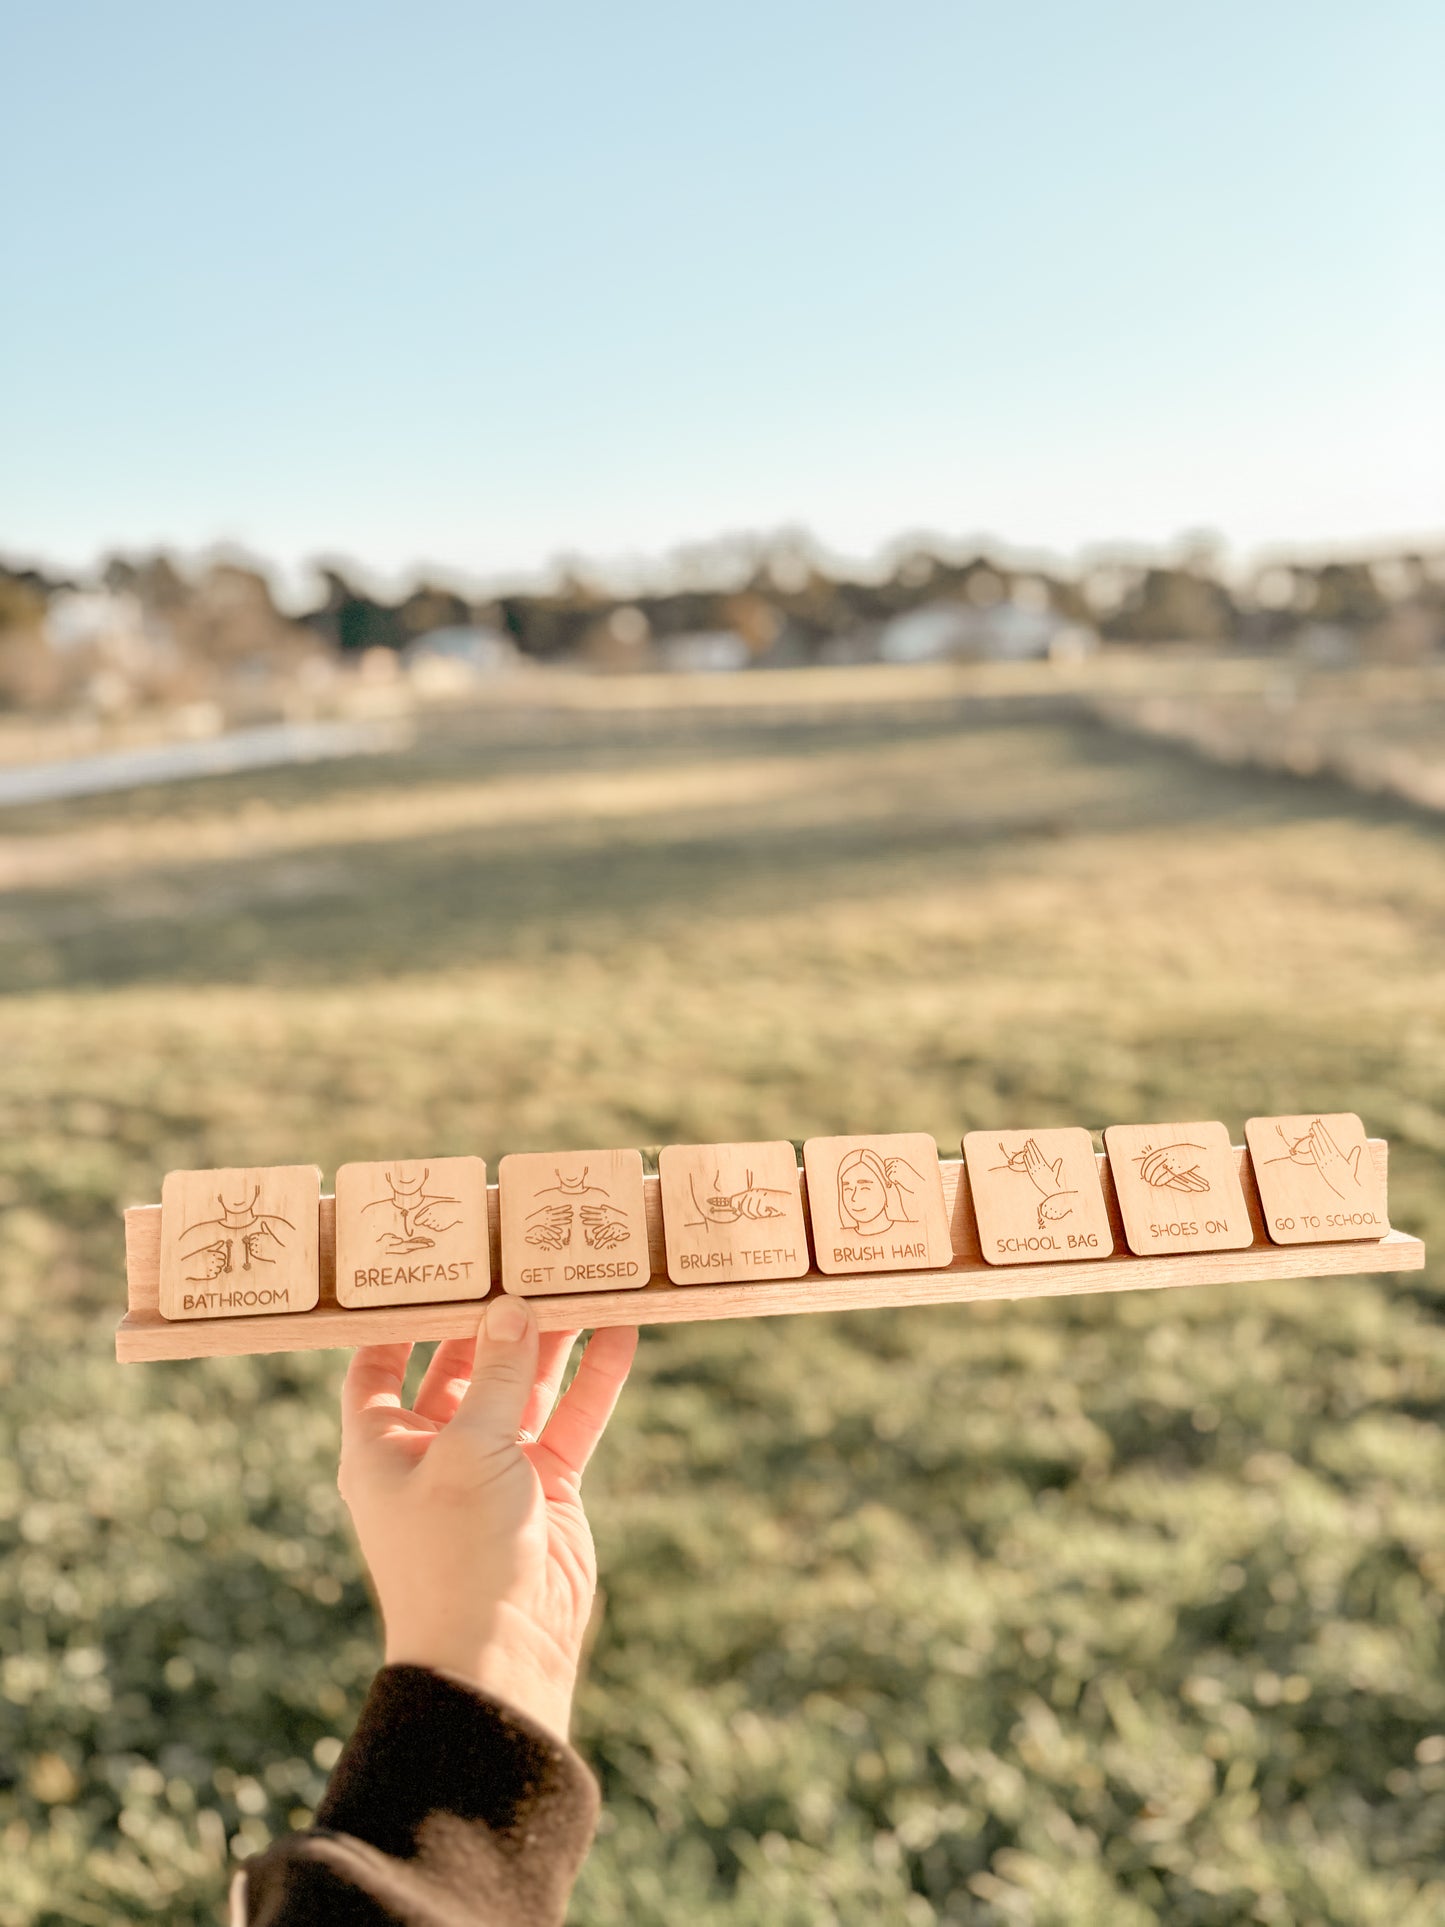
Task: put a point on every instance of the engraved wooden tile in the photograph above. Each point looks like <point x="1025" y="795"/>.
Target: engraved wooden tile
<point x="412" y="1232"/>
<point x="732" y="1211"/>
<point x="876" y="1203"/>
<point x="235" y="1243"/>
<point x="573" y="1221"/>
<point x="1178" y="1188"/>
<point x="1317" y="1181"/>
<point x="1037" y="1196"/>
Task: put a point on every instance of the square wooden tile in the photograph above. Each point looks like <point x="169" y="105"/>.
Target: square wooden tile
<point x="876" y="1203"/>
<point x="1317" y="1180"/>
<point x="573" y="1221"/>
<point x="1178" y="1187"/>
<point x="236" y="1243"/>
<point x="412" y="1232"/>
<point x="1037" y="1196"/>
<point x="732" y="1211"/>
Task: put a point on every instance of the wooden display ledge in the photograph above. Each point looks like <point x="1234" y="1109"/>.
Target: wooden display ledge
<point x="143" y="1334"/>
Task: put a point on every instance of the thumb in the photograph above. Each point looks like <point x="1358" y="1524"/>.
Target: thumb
<point x="502" y="1374"/>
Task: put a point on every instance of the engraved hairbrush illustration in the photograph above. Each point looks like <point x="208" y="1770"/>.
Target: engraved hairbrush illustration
<point x="412" y="1218"/>
<point x="242" y="1228"/>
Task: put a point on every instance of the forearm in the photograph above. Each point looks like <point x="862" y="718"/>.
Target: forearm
<point x="445" y="1806"/>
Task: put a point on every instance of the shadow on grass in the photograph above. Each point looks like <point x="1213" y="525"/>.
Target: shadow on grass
<point x="345" y="912"/>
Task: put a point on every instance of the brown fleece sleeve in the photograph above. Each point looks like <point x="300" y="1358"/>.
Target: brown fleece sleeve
<point x="446" y="1808"/>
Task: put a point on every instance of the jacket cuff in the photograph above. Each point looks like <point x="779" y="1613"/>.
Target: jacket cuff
<point x="445" y="1805"/>
<point x="426" y="1744"/>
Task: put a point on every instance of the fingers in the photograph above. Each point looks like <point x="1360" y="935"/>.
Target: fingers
<point x="552" y="1355"/>
<point x="446" y="1380"/>
<point x="372" y="1386"/>
<point x="504" y="1371"/>
<point x="580" y="1419"/>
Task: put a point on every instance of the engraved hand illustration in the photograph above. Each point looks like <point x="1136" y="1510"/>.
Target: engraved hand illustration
<point x="432" y="1217"/>
<point x="1334" y="1167"/>
<point x="753" y="1201"/>
<point x="898" y="1171"/>
<point x="1052" y="1209"/>
<point x="554" y="1232"/>
<point x="1046" y="1177"/>
<point x="214" y="1260"/>
<point x="603" y="1227"/>
<point x="1318" y="1147"/>
<point x="253" y="1241"/>
<point x="1170" y="1168"/>
<point x="423" y="1216"/>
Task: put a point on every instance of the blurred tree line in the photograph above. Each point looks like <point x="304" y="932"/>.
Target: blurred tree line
<point x="147" y="630"/>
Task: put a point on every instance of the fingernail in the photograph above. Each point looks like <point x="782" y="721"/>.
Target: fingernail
<point x="508" y="1319"/>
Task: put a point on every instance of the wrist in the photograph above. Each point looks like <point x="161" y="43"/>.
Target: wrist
<point x="505" y="1665"/>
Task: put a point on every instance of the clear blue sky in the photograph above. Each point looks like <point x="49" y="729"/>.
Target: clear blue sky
<point x="477" y="284"/>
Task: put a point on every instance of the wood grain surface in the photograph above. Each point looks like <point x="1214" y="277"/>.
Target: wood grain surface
<point x="1316" y="1179"/>
<point x="412" y="1232"/>
<point x="144" y="1335"/>
<point x="876" y="1203"/>
<point x="573" y="1221"/>
<point x="1037" y="1196"/>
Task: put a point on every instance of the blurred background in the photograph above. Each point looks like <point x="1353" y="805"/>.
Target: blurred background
<point x="585" y="578"/>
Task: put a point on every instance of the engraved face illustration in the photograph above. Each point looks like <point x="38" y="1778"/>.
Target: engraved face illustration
<point x="875" y="1193"/>
<point x="236" y="1216"/>
<point x="862" y="1192"/>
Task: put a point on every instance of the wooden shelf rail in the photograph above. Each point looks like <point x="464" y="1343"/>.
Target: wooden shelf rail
<point x="143" y="1334"/>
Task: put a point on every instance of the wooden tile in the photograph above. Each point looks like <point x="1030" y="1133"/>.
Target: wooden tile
<point x="1178" y="1188"/>
<point x="412" y="1232"/>
<point x="236" y="1243"/>
<point x="732" y="1211"/>
<point x="573" y="1221"/>
<point x="1037" y="1196"/>
<point x="1317" y="1181"/>
<point x="876" y="1203"/>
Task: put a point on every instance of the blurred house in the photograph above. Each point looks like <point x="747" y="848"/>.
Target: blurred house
<point x="713" y="651"/>
<point x="447" y="661"/>
<point x="112" y="654"/>
<point x="1008" y="630"/>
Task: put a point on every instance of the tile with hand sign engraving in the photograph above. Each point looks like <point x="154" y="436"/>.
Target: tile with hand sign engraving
<point x="573" y="1221"/>
<point x="236" y="1243"/>
<point x="1178" y="1188"/>
<point x="732" y="1212"/>
<point x="876" y="1203"/>
<point x="412" y="1233"/>
<point x="1317" y="1181"/>
<point x="1037" y="1196"/>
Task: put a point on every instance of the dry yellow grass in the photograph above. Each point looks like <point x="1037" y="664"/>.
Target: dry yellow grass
<point x="1083" y="1616"/>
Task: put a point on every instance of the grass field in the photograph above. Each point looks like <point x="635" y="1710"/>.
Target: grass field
<point x="1085" y="1613"/>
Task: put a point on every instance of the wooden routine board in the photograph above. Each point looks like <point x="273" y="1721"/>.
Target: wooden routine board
<point x="739" y="1230"/>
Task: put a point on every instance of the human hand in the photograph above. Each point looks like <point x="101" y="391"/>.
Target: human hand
<point x="468" y="1507"/>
